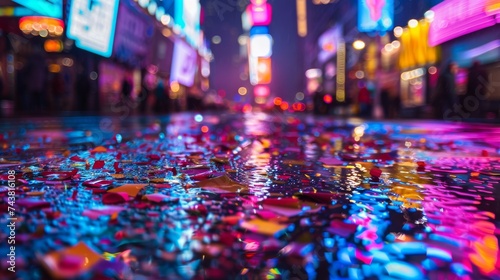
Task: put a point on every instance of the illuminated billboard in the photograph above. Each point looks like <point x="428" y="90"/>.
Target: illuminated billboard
<point x="263" y="70"/>
<point x="183" y="64"/>
<point x="49" y="8"/>
<point x="92" y="25"/>
<point x="187" y="18"/>
<point x="328" y="43"/>
<point x="455" y="18"/>
<point x="375" y="15"/>
<point x="259" y="30"/>
<point x="261" y="45"/>
<point x="259" y="15"/>
<point x="133" y="34"/>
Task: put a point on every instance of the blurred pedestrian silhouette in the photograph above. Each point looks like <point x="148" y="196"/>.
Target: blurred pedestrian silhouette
<point x="36" y="87"/>
<point x="161" y="102"/>
<point x="365" y="102"/>
<point x="144" y="94"/>
<point x="391" y="103"/>
<point x="385" y="101"/>
<point x="143" y="97"/>
<point x="319" y="103"/>
<point x="445" y="96"/>
<point x="83" y="91"/>
<point x="396" y="105"/>
<point x="477" y="83"/>
<point x="58" y="92"/>
<point x="126" y="90"/>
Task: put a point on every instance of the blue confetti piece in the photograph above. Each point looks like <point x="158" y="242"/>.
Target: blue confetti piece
<point x="429" y="264"/>
<point x="459" y="269"/>
<point x="440" y="254"/>
<point x="329" y="242"/>
<point x="445" y="239"/>
<point x="403" y="270"/>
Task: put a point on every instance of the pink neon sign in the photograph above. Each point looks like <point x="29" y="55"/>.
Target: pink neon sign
<point x="260" y="15"/>
<point x="375" y="7"/>
<point x="455" y="18"/>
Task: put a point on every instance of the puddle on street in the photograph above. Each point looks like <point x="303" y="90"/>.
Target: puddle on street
<point x="254" y="196"/>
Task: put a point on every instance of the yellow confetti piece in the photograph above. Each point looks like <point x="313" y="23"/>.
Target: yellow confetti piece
<point x="263" y="227"/>
<point x="110" y="256"/>
<point x="220" y="160"/>
<point x="130" y="189"/>
<point x="88" y="258"/>
<point x="294" y="162"/>
<point x="99" y="149"/>
<point x="157" y="180"/>
<point x="35" y="193"/>
<point x="222" y="184"/>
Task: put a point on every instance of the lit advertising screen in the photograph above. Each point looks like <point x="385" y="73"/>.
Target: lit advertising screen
<point x="261" y="45"/>
<point x="259" y="15"/>
<point x="375" y="15"/>
<point x="92" y="25"/>
<point x="183" y="64"/>
<point x="455" y="18"/>
<point x="187" y="18"/>
<point x="49" y="8"/>
<point x="133" y="34"/>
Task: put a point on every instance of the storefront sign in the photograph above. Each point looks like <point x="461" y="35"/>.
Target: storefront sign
<point x="415" y="50"/>
<point x="53" y="46"/>
<point x="187" y="18"/>
<point x="301" y="18"/>
<point x="49" y="8"/>
<point x="375" y="15"/>
<point x="493" y="6"/>
<point x="259" y="15"/>
<point x="328" y="43"/>
<point x="43" y="26"/>
<point x="455" y="18"/>
<point x="245" y="21"/>
<point x="183" y="64"/>
<point x="133" y="34"/>
<point x="341" y="60"/>
<point x="92" y="25"/>
<point x="261" y="45"/>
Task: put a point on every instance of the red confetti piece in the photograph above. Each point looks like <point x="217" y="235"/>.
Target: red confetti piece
<point x="115" y="197"/>
<point x="77" y="159"/>
<point x="375" y="172"/>
<point x="98" y="164"/>
<point x="32" y="204"/>
<point x="97" y="183"/>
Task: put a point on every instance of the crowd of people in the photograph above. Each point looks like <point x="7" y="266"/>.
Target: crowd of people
<point x="157" y="97"/>
<point x="444" y="101"/>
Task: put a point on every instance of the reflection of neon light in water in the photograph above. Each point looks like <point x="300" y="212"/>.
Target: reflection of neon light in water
<point x="375" y="8"/>
<point x="459" y="227"/>
<point x="482" y="49"/>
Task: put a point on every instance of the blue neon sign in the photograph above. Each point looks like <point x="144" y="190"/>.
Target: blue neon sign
<point x="375" y="15"/>
<point x="49" y="8"/>
<point x="92" y="25"/>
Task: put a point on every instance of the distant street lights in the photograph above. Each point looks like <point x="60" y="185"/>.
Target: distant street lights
<point x="358" y="45"/>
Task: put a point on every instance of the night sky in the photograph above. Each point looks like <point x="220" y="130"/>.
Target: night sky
<point x="223" y="18"/>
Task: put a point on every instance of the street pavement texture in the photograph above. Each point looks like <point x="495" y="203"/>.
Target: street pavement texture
<point x="248" y="196"/>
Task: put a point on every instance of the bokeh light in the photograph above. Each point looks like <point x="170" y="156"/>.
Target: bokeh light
<point x="216" y="39"/>
<point x="358" y="45"/>
<point x="242" y="91"/>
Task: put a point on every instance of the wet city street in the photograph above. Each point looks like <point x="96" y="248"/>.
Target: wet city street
<point x="249" y="196"/>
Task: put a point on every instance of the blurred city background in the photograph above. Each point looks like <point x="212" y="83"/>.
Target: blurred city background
<point x="368" y="58"/>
